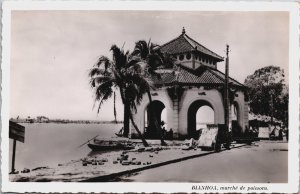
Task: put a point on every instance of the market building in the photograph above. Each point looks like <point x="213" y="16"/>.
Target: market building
<point x="194" y="82"/>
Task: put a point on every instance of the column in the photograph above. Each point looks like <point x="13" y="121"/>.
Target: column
<point x="246" y="116"/>
<point x="176" y="117"/>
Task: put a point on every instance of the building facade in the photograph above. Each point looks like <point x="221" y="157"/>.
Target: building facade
<point x="194" y="82"/>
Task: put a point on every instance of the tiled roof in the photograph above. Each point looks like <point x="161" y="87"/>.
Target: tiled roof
<point x="184" y="43"/>
<point x="222" y="76"/>
<point x="187" y="76"/>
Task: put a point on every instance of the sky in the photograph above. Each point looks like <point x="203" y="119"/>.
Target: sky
<point x="52" y="51"/>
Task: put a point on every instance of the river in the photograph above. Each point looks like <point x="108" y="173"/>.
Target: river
<point x="48" y="144"/>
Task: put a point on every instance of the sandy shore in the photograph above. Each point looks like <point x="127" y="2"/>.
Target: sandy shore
<point x="262" y="155"/>
<point x="109" y="163"/>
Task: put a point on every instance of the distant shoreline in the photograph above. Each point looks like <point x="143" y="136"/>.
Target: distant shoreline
<point x="66" y="121"/>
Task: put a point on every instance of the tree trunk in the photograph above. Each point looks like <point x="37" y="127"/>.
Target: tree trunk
<point x="115" y="111"/>
<point x="126" y="114"/>
<point x="155" y="122"/>
<point x="126" y="119"/>
<point x="272" y="109"/>
<point x="137" y="130"/>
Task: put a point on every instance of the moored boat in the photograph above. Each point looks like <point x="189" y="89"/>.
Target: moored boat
<point x="109" y="145"/>
<point x="120" y="133"/>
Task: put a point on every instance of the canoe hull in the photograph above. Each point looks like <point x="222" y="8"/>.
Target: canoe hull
<point x="99" y="147"/>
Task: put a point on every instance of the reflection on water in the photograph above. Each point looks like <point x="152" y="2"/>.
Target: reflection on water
<point x="48" y="144"/>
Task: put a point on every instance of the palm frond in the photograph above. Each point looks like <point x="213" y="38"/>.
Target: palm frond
<point x="154" y="47"/>
<point x="168" y="60"/>
<point x="103" y="89"/>
<point x="103" y="60"/>
<point x="98" y="71"/>
<point x="135" y="68"/>
<point x="100" y="79"/>
<point x="94" y="71"/>
<point x="106" y="94"/>
<point x="119" y="57"/>
<point x="141" y="49"/>
<point x="149" y="43"/>
<point x="139" y="86"/>
<point x="116" y="50"/>
<point x="132" y="59"/>
<point x="101" y="102"/>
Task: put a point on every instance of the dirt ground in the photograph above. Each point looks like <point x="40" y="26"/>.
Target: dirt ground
<point x="100" y="164"/>
<point x="263" y="162"/>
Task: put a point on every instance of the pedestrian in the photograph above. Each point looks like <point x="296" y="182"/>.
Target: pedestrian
<point x="171" y="134"/>
<point x="287" y="134"/>
<point x="280" y="136"/>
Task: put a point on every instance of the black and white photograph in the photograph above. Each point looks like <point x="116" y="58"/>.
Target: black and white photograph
<point x="160" y="95"/>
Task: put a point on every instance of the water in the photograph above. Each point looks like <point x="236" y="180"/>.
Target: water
<point x="48" y="144"/>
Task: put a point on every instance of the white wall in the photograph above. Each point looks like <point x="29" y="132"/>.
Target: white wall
<point x="179" y="123"/>
<point x="189" y="62"/>
<point x="242" y="107"/>
<point x="161" y="96"/>
<point x="213" y="97"/>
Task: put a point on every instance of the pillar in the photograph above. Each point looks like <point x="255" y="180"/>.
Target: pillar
<point x="175" y="117"/>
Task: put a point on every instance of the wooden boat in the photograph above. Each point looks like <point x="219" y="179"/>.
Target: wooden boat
<point x="106" y="146"/>
<point x="120" y="133"/>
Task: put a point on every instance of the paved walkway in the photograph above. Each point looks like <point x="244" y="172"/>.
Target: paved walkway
<point x="264" y="162"/>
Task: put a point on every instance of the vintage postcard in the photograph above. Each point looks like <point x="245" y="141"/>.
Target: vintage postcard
<point x="148" y="96"/>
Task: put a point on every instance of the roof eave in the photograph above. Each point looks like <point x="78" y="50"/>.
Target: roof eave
<point x="198" y="85"/>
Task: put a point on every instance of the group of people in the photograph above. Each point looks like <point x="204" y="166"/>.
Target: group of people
<point x="167" y="134"/>
<point x="275" y="132"/>
<point x="154" y="134"/>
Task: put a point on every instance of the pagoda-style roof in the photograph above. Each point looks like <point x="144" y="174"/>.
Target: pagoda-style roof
<point x="185" y="44"/>
<point x="204" y="76"/>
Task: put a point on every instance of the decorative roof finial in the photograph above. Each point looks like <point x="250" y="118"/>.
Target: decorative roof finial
<point x="183" y="30"/>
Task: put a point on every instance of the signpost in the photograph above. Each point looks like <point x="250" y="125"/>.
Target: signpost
<point x="226" y="95"/>
<point x="17" y="133"/>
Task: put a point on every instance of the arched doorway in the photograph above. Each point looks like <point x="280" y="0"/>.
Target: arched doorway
<point x="200" y="113"/>
<point x="158" y="117"/>
<point x="236" y="128"/>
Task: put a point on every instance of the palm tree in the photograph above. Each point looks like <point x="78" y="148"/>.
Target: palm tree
<point x="153" y="58"/>
<point x="150" y="58"/>
<point x="115" y="111"/>
<point x="110" y="75"/>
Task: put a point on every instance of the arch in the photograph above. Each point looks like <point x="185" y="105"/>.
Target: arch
<point x="157" y="108"/>
<point x="205" y="115"/>
<point x="196" y="56"/>
<point x="181" y="57"/>
<point x="157" y="95"/>
<point x="188" y="56"/>
<point x="154" y="118"/>
<point x="192" y="116"/>
<point x="234" y="110"/>
<point x="242" y="111"/>
<point x="213" y="97"/>
<point x="236" y="127"/>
